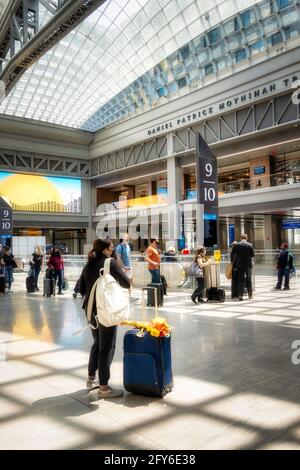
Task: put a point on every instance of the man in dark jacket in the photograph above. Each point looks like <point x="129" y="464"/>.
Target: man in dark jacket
<point x="283" y="267"/>
<point x="243" y="253"/>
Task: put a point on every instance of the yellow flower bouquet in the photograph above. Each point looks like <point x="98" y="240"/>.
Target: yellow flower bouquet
<point x="157" y="327"/>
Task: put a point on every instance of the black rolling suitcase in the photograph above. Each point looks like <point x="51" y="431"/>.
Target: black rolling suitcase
<point x="215" y="294"/>
<point x="48" y="287"/>
<point x="2" y="284"/>
<point x="151" y="297"/>
<point x="164" y="283"/>
<point x="30" y="284"/>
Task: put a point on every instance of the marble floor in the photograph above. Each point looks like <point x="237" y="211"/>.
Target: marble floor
<point x="236" y="386"/>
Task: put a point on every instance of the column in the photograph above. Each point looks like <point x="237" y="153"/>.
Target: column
<point x="174" y="190"/>
<point x="92" y="198"/>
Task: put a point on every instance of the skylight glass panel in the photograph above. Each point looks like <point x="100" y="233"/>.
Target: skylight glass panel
<point x="124" y="40"/>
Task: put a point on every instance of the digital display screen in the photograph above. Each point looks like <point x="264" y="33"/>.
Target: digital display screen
<point x="210" y="233"/>
<point x="259" y="170"/>
<point x="33" y="193"/>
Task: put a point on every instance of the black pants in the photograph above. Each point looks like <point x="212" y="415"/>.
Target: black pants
<point x="58" y="275"/>
<point x="283" y="273"/>
<point x="245" y="276"/>
<point x="102" y="352"/>
<point x="198" y="292"/>
<point x="234" y="284"/>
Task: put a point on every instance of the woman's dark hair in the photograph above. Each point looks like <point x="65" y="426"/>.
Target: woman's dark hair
<point x="199" y="252"/>
<point x="98" y="247"/>
<point x="153" y="240"/>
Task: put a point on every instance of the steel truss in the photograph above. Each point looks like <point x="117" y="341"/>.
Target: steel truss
<point x="24" y="162"/>
<point x="24" y="43"/>
<point x="248" y="120"/>
<point x="130" y="156"/>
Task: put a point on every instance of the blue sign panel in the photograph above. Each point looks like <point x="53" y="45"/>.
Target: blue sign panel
<point x="231" y="233"/>
<point x="210" y="216"/>
<point x="259" y="170"/>
<point x="290" y="224"/>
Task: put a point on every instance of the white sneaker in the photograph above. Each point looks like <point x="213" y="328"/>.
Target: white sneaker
<point x="110" y="393"/>
<point x="92" y="383"/>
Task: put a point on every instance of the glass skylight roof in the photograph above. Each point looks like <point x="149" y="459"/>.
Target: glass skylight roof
<point x="118" y="47"/>
<point x="3" y="4"/>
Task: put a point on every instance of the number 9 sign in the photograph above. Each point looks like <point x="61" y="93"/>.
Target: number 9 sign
<point x="208" y="170"/>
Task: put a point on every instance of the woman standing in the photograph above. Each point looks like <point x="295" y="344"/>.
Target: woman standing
<point x="153" y="259"/>
<point x="37" y="264"/>
<point x="10" y="264"/>
<point x="201" y="262"/>
<point x="56" y="263"/>
<point x="103" y="349"/>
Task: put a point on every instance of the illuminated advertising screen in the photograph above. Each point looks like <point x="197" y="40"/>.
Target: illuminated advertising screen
<point x="33" y="193"/>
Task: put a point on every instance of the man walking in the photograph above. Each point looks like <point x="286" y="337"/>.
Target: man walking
<point x="242" y="254"/>
<point x="283" y="270"/>
<point x="123" y="257"/>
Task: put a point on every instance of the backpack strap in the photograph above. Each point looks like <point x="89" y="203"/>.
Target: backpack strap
<point x="90" y="304"/>
<point x="106" y="269"/>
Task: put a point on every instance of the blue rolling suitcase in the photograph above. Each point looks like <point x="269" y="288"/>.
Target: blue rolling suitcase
<point x="147" y="362"/>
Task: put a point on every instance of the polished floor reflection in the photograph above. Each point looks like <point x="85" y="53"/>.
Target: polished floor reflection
<point x="235" y="384"/>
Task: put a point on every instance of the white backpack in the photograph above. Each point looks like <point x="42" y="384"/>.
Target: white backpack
<point x="112" y="300"/>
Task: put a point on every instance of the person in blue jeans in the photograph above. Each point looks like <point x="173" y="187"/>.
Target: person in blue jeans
<point x="123" y="257"/>
<point x="37" y="264"/>
<point x="283" y="268"/>
<point x="153" y="259"/>
<point x="10" y="264"/>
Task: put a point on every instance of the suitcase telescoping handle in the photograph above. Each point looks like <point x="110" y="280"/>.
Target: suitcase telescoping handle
<point x="144" y="289"/>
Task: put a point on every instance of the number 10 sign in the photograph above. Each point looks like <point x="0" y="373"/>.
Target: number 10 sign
<point x="6" y="226"/>
<point x="207" y="195"/>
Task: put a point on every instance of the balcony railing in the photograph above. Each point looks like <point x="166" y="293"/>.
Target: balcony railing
<point x="246" y="184"/>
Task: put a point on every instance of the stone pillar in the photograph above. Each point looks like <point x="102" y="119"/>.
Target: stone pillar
<point x="92" y="198"/>
<point x="174" y="191"/>
<point x="260" y="172"/>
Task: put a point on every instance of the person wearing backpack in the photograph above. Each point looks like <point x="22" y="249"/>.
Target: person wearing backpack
<point x="103" y="348"/>
<point x="199" y="263"/>
<point x="123" y="251"/>
<point x="284" y="267"/>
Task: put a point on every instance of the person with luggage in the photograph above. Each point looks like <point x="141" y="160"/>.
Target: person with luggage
<point x="243" y="252"/>
<point x="10" y="264"/>
<point x="36" y="263"/>
<point x="170" y="255"/>
<point x="103" y="348"/>
<point x="123" y="251"/>
<point x="234" y="275"/>
<point x="56" y="263"/>
<point x="284" y="265"/>
<point x="2" y="273"/>
<point x="153" y="259"/>
<point x="201" y="262"/>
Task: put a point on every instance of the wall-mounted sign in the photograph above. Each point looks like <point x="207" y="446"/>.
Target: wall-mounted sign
<point x="6" y="224"/>
<point x="290" y="224"/>
<point x="236" y="101"/>
<point x="207" y="195"/>
<point x="231" y="232"/>
<point x="259" y="170"/>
